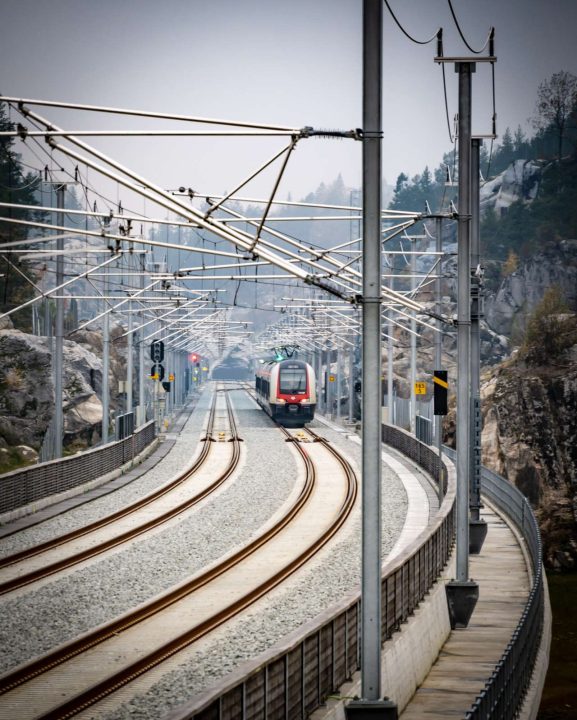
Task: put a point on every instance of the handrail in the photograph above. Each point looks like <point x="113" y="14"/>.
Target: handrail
<point x="504" y="692"/>
<point x="293" y="679"/>
<point x="36" y="482"/>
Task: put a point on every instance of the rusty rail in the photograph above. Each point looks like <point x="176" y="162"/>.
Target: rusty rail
<point x="294" y="680"/>
<point x="134" y="531"/>
<point x="70" y="650"/>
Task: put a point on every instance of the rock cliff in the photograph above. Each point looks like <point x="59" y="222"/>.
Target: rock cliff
<point x="507" y="311"/>
<point x="530" y="437"/>
<point x="518" y="183"/>
<point x="27" y="391"/>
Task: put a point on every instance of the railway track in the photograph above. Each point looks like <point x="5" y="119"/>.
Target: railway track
<point x="75" y="676"/>
<point x="52" y="557"/>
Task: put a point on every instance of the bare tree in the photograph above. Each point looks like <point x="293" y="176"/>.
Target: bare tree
<point x="556" y="100"/>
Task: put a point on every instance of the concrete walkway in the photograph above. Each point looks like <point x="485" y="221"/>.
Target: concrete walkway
<point x="469" y="656"/>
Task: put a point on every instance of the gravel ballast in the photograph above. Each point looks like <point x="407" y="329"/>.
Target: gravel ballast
<point x="325" y="581"/>
<point x="36" y="621"/>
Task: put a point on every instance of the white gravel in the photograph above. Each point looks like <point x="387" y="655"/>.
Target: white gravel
<point x="324" y="583"/>
<point x="157" y="476"/>
<point x="36" y="621"/>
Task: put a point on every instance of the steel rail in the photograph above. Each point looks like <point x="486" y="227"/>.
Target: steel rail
<point x="102" y="689"/>
<point x="53" y="568"/>
<point x="296" y="677"/>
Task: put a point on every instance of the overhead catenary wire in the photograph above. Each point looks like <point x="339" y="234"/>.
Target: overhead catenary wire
<point x="463" y="38"/>
<point x="325" y="254"/>
<point x="162" y="198"/>
<point x="406" y="33"/>
<point x="451" y="137"/>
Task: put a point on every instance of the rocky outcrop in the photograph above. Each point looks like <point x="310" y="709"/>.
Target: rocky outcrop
<point x="507" y="311"/>
<point x="82" y="404"/>
<point x="27" y="392"/>
<point x="518" y="183"/>
<point x="26" y="389"/>
<point x="530" y="437"/>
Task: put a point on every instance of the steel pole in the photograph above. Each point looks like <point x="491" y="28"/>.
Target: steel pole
<point x="462" y="594"/>
<point x="329" y="384"/>
<point x="59" y="333"/>
<point x="129" y="361"/>
<point x="439" y="346"/>
<point x="371" y="351"/>
<point x="413" y="370"/>
<point x="320" y="398"/>
<point x="477" y="527"/>
<point x="105" y="364"/>
<point x="463" y="321"/>
<point x="390" y="354"/>
<point x="170" y="395"/>
<point x="475" y="499"/>
<point x="371" y="703"/>
<point x="141" y="369"/>
<point x="176" y="383"/>
<point x="351" y="383"/>
<point x="339" y="376"/>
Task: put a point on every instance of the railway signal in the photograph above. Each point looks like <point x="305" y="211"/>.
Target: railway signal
<point x="157" y="351"/>
<point x="157" y="371"/>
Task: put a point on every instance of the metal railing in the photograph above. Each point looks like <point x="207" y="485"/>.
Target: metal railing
<point x="424" y="429"/>
<point x="505" y="690"/>
<point x="34" y="483"/>
<point x="124" y="425"/>
<point x="293" y="680"/>
<point x="425" y="420"/>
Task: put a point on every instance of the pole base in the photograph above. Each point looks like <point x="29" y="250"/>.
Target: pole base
<point x="461" y="598"/>
<point x="371" y="710"/>
<point x="477" y="534"/>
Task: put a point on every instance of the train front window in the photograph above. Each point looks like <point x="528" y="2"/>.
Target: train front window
<point x="292" y="381"/>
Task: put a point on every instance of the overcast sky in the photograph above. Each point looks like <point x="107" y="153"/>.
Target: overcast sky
<point x="291" y="63"/>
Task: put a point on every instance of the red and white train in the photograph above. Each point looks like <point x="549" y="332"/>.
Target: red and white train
<point x="287" y="391"/>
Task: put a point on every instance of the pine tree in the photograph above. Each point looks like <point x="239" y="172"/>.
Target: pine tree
<point x="556" y="101"/>
<point x="16" y="187"/>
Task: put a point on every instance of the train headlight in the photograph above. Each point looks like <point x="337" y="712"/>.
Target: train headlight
<point x="305" y="401"/>
<point x="281" y="401"/>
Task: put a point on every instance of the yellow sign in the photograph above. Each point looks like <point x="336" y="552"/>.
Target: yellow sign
<point x="171" y="377"/>
<point x="204" y="369"/>
<point x="331" y="378"/>
<point x="420" y="388"/>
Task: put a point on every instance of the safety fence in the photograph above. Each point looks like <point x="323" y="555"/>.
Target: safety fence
<point x="425" y="420"/>
<point x="293" y="680"/>
<point x="505" y="690"/>
<point x="22" y="487"/>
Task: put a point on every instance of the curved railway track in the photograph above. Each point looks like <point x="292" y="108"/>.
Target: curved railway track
<point x="91" y="658"/>
<point x="13" y="567"/>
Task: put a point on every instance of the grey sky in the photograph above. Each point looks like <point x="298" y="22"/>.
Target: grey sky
<point x="295" y="63"/>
